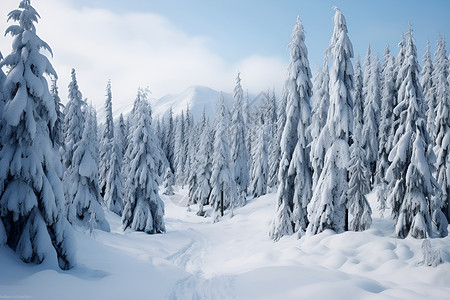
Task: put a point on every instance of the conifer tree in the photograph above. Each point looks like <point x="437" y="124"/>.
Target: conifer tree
<point x="426" y="82"/>
<point x="239" y="155"/>
<point x="32" y="199"/>
<point x="169" y="181"/>
<point x="359" y="184"/>
<point x="442" y="148"/>
<point x="56" y="134"/>
<point x="321" y="104"/>
<point x="371" y="114"/>
<point x="169" y="134"/>
<point x="328" y="206"/>
<point x="203" y="165"/>
<point x="121" y="134"/>
<point x="144" y="209"/>
<point x="258" y="186"/>
<point x="107" y="141"/>
<point x="81" y="181"/>
<point x="412" y="158"/>
<point x="294" y="174"/>
<point x="179" y="149"/>
<point x="114" y="178"/>
<point x="223" y="194"/>
<point x="73" y="119"/>
<point x="386" y="132"/>
<point x="273" y="145"/>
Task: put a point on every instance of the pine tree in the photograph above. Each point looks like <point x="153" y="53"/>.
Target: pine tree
<point x="73" y="119"/>
<point x="32" y="199"/>
<point x="179" y="149"/>
<point x="223" y="194"/>
<point x="321" y="104"/>
<point x="121" y="134"/>
<point x="359" y="184"/>
<point x="203" y="165"/>
<point x="169" y="134"/>
<point x="239" y="153"/>
<point x="81" y="181"/>
<point x="258" y="186"/>
<point x="386" y="132"/>
<point x="442" y="148"/>
<point x="328" y="206"/>
<point x="273" y="145"/>
<point x="294" y="174"/>
<point x="114" y="179"/>
<point x="426" y="82"/>
<point x="107" y="141"/>
<point x="169" y="181"/>
<point x="56" y="134"/>
<point x="386" y="56"/>
<point x="371" y="114"/>
<point x="144" y="209"/>
<point x="412" y="158"/>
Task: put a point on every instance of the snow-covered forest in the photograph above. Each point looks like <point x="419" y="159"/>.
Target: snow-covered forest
<point x="342" y="182"/>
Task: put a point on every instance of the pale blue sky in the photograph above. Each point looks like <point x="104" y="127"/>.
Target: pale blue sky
<point x="237" y="29"/>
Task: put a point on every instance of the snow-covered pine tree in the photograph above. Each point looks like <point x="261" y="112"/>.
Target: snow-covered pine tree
<point x="169" y="138"/>
<point x="274" y="163"/>
<point x="106" y="142"/>
<point x="372" y="100"/>
<point x="32" y="198"/>
<point x="426" y="82"/>
<point x="81" y="181"/>
<point x="179" y="149"/>
<point x="327" y="209"/>
<point x="294" y="191"/>
<point x="358" y="100"/>
<point x="56" y="135"/>
<point x="203" y="165"/>
<point x="144" y="209"/>
<point x="442" y="148"/>
<point x="168" y="183"/>
<point x="385" y="132"/>
<point x="193" y="160"/>
<point x="189" y="138"/>
<point x="321" y="104"/>
<point x="386" y="56"/>
<point x="359" y="182"/>
<point x="121" y="134"/>
<point x="223" y="194"/>
<point x="367" y="73"/>
<point x="412" y="158"/>
<point x="258" y="185"/>
<point x="273" y="144"/>
<point x="239" y="155"/>
<point x="114" y="178"/>
<point x="73" y="119"/>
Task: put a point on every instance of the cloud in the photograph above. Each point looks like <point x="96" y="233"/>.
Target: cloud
<point x="136" y="49"/>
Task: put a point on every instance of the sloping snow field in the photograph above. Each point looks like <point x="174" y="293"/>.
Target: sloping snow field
<point x="232" y="259"/>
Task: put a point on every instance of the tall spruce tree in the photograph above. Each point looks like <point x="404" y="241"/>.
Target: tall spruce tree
<point x="426" y="82"/>
<point x="107" y="141"/>
<point x="239" y="155"/>
<point x="442" y="150"/>
<point x="73" y="119"/>
<point x="144" y="209"/>
<point x="385" y="132"/>
<point x="223" y="194"/>
<point x="81" y="181"/>
<point x="412" y="157"/>
<point x="258" y="185"/>
<point x="56" y="134"/>
<point x="328" y="206"/>
<point x="294" y="174"/>
<point x="321" y="104"/>
<point x="32" y="198"/>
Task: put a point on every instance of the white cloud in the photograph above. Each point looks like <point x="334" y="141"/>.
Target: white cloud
<point x="136" y="49"/>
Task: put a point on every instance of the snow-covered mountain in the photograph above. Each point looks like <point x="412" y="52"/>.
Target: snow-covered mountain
<point x="197" y="97"/>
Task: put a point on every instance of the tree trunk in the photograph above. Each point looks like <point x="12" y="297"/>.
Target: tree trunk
<point x="221" y="202"/>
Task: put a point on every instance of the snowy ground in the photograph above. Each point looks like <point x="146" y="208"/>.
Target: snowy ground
<point x="232" y="259"/>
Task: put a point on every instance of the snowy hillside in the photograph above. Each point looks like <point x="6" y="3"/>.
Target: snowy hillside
<point x="233" y="259"/>
<point x="196" y="96"/>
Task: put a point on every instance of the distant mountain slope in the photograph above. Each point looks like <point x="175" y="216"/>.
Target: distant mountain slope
<point x="197" y="97"/>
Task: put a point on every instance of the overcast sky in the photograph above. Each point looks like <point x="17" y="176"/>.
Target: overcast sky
<point x="171" y="45"/>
